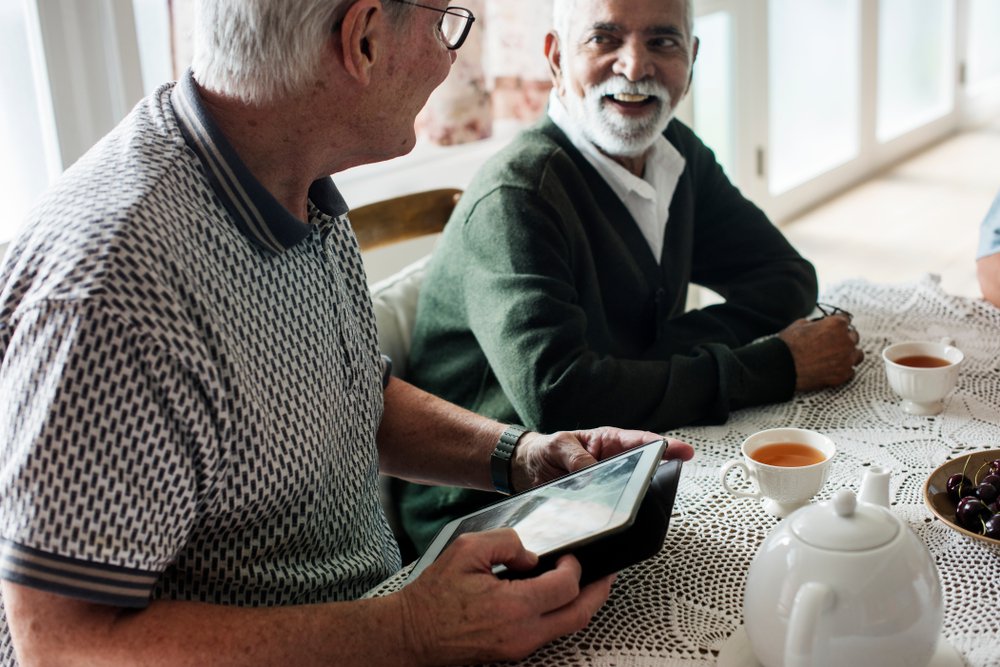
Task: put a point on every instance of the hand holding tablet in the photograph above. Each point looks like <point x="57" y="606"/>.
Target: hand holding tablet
<point x="609" y="515"/>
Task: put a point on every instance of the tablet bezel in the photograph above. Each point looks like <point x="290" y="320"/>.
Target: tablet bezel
<point x="651" y="454"/>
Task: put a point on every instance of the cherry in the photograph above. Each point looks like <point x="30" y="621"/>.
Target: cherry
<point x="993" y="479"/>
<point x="986" y="492"/>
<point x="958" y="486"/>
<point x="991" y="527"/>
<point x="971" y="512"/>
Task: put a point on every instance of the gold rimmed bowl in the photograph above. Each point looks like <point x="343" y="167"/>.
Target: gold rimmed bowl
<point x="936" y="494"/>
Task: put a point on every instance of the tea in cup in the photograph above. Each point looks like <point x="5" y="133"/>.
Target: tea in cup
<point x="922" y="374"/>
<point x="788" y="466"/>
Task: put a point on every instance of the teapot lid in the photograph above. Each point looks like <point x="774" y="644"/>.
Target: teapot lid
<point x="843" y="524"/>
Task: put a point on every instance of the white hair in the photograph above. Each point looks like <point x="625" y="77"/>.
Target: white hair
<point x="259" y="50"/>
<point x="562" y="10"/>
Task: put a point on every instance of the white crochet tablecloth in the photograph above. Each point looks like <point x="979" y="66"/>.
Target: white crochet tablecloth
<point x="678" y="608"/>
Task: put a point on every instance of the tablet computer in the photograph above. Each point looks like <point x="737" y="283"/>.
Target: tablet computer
<point x="588" y="513"/>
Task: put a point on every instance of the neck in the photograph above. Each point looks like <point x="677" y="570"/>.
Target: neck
<point x="288" y="145"/>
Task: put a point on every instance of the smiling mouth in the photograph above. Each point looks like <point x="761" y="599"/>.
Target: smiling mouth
<point x="631" y="100"/>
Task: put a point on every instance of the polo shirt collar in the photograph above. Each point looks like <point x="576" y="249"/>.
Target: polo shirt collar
<point x="257" y="214"/>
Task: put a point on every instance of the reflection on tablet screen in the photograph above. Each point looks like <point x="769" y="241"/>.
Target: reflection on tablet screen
<point x="556" y="515"/>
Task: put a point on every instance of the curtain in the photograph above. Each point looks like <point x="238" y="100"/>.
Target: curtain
<point x="500" y="75"/>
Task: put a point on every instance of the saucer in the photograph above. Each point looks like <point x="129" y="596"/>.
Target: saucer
<point x="736" y="652"/>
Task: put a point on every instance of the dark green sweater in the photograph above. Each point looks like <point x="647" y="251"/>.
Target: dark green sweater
<point x="544" y="306"/>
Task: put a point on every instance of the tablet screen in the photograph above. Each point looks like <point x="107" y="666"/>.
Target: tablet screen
<point x="565" y="511"/>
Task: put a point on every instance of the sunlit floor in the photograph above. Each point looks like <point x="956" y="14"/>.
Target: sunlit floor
<point x="919" y="217"/>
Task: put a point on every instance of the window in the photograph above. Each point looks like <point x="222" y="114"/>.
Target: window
<point x="916" y="57"/>
<point x="25" y="127"/>
<point x="712" y="89"/>
<point x="984" y="46"/>
<point x="152" y="27"/>
<point x="813" y="88"/>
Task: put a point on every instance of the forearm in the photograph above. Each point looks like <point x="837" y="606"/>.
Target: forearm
<point x="53" y="630"/>
<point x="702" y="386"/>
<point x="425" y="439"/>
<point x="988" y="269"/>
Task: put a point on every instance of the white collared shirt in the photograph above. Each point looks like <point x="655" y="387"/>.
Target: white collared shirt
<point x="647" y="198"/>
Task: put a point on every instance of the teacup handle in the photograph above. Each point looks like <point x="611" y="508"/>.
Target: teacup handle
<point x="746" y="473"/>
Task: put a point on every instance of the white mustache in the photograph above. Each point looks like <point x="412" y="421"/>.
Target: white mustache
<point x="620" y="85"/>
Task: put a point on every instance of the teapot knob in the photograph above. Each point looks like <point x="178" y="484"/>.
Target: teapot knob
<point x="845" y="502"/>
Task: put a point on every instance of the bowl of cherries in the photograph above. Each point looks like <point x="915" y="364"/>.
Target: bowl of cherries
<point x="965" y="494"/>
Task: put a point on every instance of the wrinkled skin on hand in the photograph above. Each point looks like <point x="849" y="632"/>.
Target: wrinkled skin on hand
<point x="825" y="351"/>
<point x="458" y="612"/>
<point x="540" y="458"/>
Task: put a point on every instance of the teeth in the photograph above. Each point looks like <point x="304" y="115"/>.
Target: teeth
<point x="628" y="97"/>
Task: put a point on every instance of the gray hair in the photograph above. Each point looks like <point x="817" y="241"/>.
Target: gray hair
<point x="562" y="10"/>
<point x="260" y="50"/>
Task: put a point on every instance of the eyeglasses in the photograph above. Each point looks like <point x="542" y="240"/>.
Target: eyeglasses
<point x="454" y="26"/>
<point x="828" y="310"/>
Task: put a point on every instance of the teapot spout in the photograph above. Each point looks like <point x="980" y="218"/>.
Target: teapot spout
<point x="875" y="486"/>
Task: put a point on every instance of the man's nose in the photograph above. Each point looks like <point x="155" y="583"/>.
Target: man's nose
<point x="633" y="61"/>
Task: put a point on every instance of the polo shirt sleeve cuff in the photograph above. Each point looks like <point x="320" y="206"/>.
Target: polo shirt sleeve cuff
<point x="92" y="582"/>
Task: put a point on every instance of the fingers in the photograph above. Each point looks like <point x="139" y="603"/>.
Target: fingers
<point x="605" y="441"/>
<point x="677" y="449"/>
<point x="465" y="615"/>
<point x="826" y="352"/>
<point x="566" y="607"/>
<point x="481" y="551"/>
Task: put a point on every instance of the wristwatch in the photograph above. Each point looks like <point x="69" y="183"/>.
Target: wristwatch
<point x="503" y="454"/>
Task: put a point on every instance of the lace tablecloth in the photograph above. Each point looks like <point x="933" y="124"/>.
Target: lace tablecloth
<point x="678" y="608"/>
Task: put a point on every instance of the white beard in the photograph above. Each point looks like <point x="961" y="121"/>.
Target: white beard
<point x="614" y="134"/>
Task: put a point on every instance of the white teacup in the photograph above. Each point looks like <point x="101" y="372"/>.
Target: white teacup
<point x="922" y="388"/>
<point x="788" y="480"/>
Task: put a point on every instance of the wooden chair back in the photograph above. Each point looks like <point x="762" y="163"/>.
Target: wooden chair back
<point x="401" y="218"/>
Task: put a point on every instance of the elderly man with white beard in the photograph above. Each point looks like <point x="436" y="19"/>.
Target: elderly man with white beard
<point x="556" y="297"/>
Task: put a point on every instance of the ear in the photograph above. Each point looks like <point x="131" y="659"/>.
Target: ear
<point x="361" y="33"/>
<point x="553" y="55"/>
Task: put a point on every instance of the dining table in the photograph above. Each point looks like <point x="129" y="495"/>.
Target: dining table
<point x="684" y="606"/>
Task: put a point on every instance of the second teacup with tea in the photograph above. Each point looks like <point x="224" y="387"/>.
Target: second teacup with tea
<point x="922" y="374"/>
<point x="788" y="466"/>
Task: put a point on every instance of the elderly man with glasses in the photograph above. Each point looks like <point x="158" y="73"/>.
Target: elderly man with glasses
<point x="556" y="296"/>
<point x="194" y="410"/>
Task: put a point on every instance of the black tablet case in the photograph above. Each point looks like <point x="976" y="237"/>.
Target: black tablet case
<point x="637" y="542"/>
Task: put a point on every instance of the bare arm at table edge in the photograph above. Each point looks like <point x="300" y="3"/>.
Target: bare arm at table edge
<point x="988" y="271"/>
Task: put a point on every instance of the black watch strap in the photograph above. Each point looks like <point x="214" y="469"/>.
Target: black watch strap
<point x="503" y="455"/>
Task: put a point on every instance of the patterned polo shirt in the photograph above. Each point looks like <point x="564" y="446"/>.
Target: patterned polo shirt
<point x="190" y="383"/>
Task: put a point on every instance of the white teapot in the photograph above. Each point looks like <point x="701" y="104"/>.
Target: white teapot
<point x="844" y="582"/>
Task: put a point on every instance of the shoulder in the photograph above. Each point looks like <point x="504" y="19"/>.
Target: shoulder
<point x="522" y="161"/>
<point x="111" y="218"/>
<point x="537" y="166"/>
<point x="687" y="142"/>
